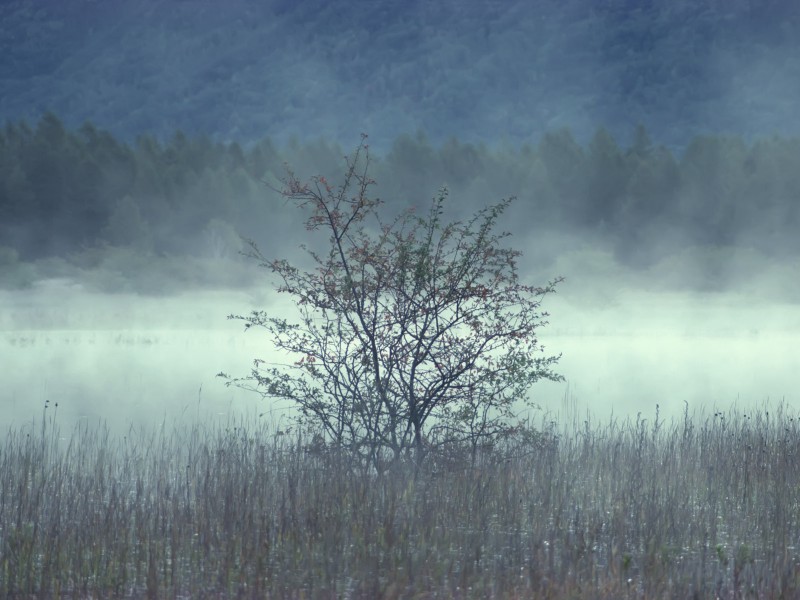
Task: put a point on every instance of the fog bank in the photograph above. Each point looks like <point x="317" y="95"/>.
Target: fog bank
<point x="126" y="359"/>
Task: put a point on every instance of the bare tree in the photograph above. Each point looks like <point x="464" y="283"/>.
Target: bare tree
<point x="412" y="335"/>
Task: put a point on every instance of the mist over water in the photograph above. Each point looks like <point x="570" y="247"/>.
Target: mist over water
<point x="128" y="359"/>
<point x="672" y="350"/>
<point x="640" y="142"/>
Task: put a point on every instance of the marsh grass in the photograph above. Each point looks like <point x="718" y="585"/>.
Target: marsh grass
<point x="704" y="507"/>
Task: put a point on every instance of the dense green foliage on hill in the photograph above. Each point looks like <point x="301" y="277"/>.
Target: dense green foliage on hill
<point x="67" y="190"/>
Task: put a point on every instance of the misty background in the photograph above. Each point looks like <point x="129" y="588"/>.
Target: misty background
<point x="654" y="150"/>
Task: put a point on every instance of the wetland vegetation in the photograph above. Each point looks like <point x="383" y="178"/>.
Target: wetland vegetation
<point x="706" y="506"/>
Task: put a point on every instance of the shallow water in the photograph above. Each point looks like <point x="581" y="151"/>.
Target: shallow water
<point x="124" y="359"/>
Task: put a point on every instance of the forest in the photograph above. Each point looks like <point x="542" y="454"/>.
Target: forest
<point x="479" y="70"/>
<point x="76" y="194"/>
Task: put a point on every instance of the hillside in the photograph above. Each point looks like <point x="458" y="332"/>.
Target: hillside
<point x="485" y="71"/>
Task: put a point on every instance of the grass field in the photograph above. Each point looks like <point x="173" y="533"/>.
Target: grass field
<point x="702" y="507"/>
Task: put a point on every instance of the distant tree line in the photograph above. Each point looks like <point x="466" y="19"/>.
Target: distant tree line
<point x="63" y="191"/>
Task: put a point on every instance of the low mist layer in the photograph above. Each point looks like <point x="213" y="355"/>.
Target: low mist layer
<point x="132" y="359"/>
